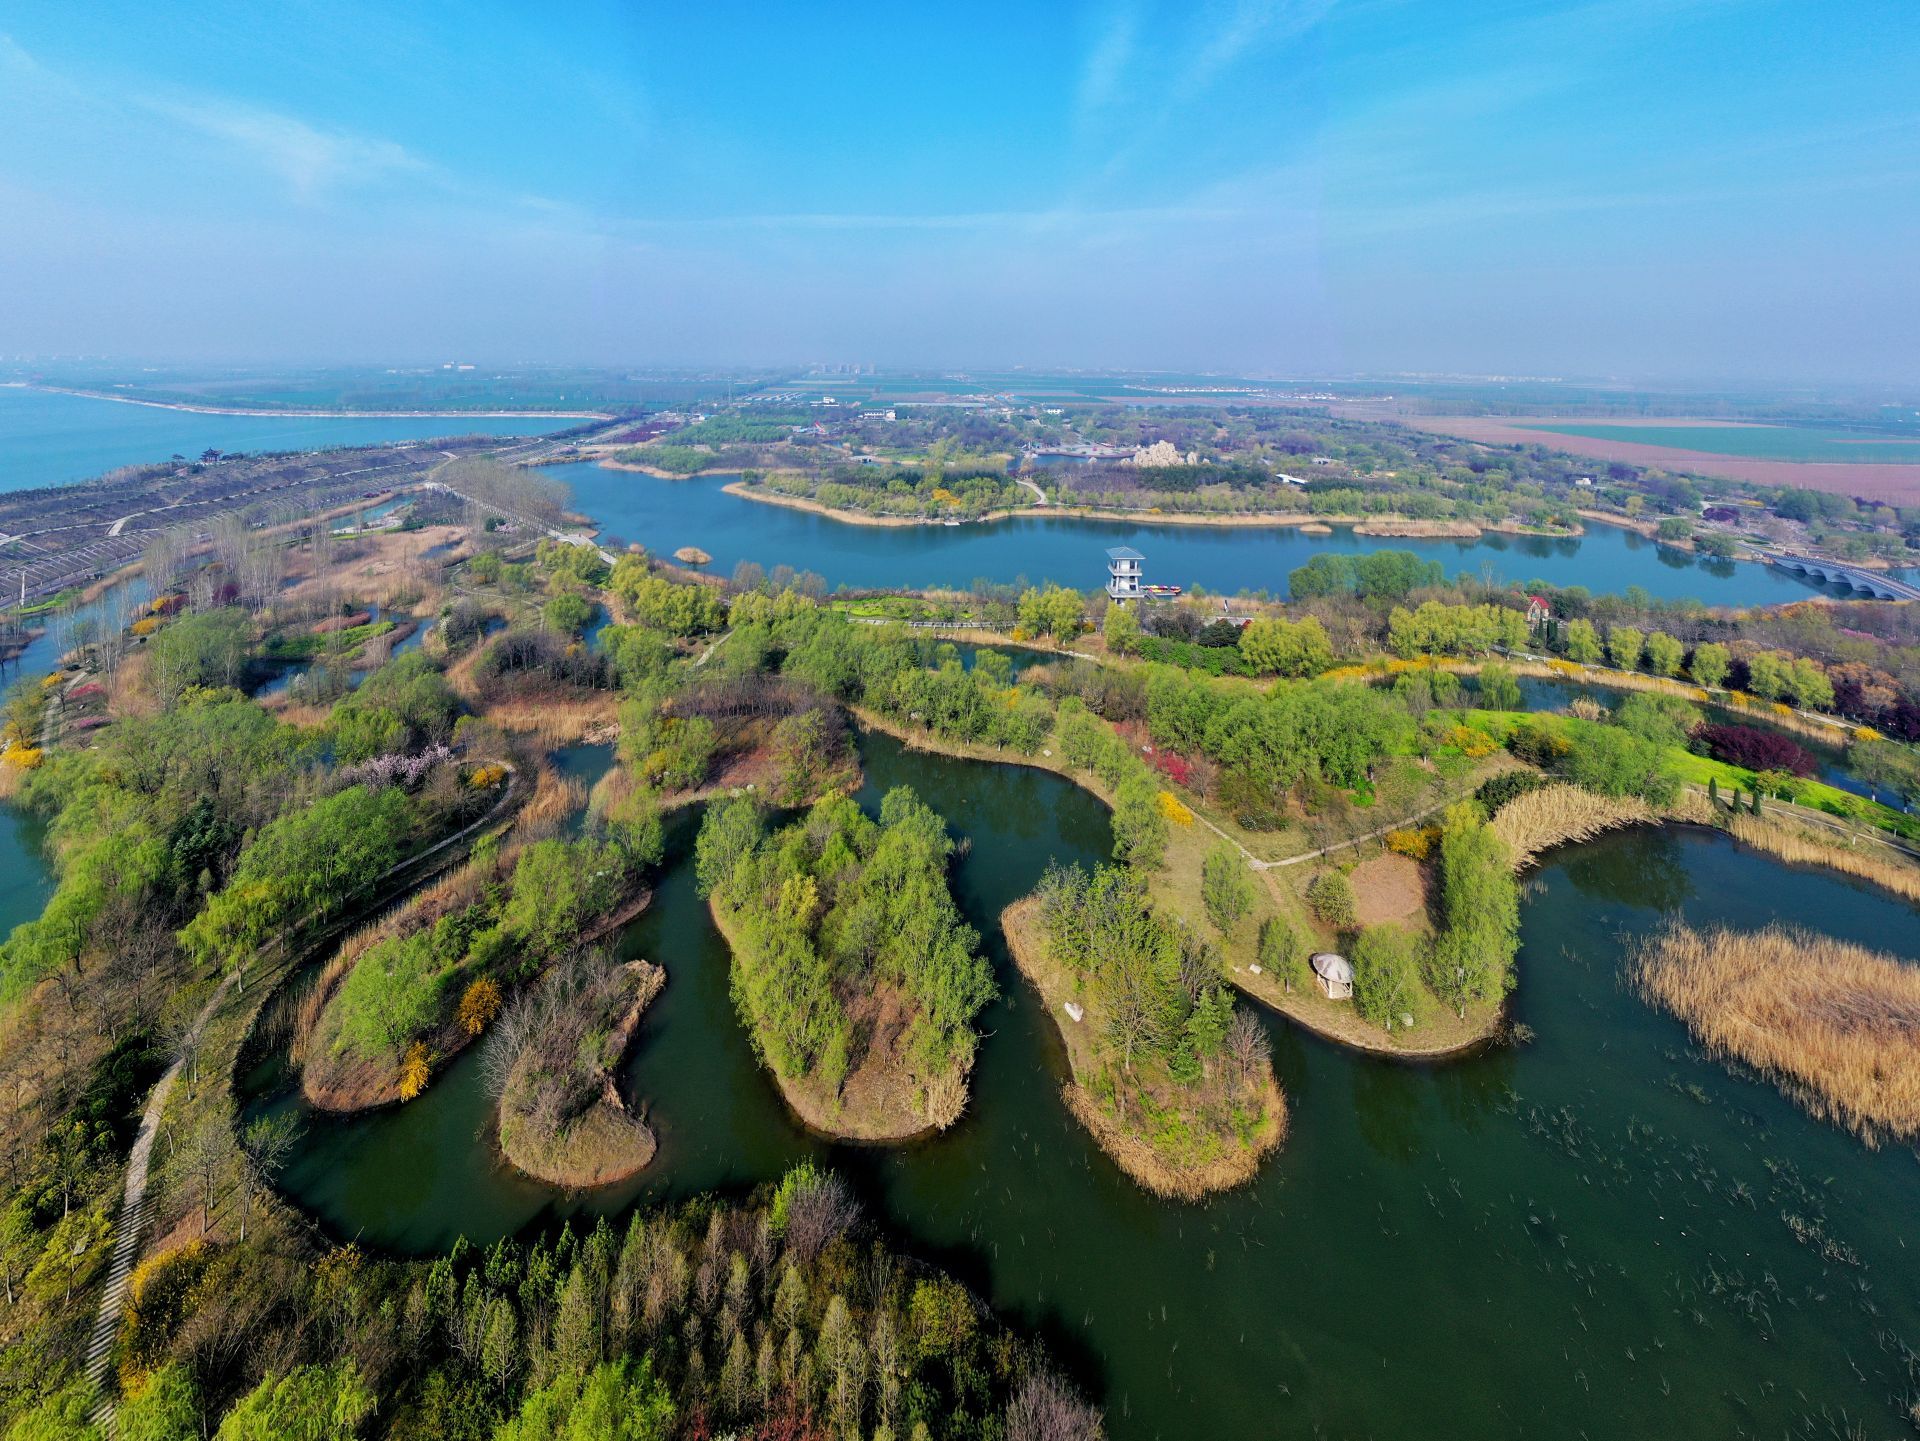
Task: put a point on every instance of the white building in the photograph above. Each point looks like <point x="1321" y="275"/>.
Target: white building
<point x="1123" y="572"/>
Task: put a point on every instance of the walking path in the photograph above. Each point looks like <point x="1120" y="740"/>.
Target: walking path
<point x="131" y="1224"/>
<point x="1039" y="495"/>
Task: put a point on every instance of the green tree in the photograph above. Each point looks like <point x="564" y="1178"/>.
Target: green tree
<point x="1473" y="957"/>
<point x="1282" y="952"/>
<point x="309" y="1403"/>
<point x="1499" y="689"/>
<point x="1330" y="894"/>
<point x="1386" y="976"/>
<point x="1273" y="646"/>
<point x="208" y="648"/>
<point x="1710" y="664"/>
<point x="167" y="1408"/>
<point x="1664" y="654"/>
<point x="1225" y="887"/>
<point x="1122" y="630"/>
<point x="1583" y="642"/>
<point x="1624" y="645"/>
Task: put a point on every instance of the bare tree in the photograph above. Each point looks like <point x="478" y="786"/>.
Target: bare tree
<point x="160" y="561"/>
<point x="203" y="1156"/>
<point x="266" y="1145"/>
<point x="820" y="1212"/>
<point x="1045" y="1408"/>
<point x="1247" y="1048"/>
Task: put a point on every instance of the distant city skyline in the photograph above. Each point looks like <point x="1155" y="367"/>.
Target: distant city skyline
<point x="1649" y="189"/>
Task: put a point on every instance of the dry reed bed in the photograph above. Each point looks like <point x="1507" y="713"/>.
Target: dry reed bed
<point x="1800" y="845"/>
<point x="1836" y="1025"/>
<point x="1544" y="818"/>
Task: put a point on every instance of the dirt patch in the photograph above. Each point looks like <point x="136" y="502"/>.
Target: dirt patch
<point x="1388" y="888"/>
<point x="1897" y="483"/>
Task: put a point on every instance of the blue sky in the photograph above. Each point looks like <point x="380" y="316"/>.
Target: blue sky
<point x="1666" y="189"/>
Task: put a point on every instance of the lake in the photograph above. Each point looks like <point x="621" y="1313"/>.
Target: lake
<point x="52" y="439"/>
<point x="1597" y="1233"/>
<point x="664" y="515"/>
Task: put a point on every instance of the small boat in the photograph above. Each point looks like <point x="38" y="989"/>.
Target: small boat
<point x="949" y="522"/>
<point x="1160" y="590"/>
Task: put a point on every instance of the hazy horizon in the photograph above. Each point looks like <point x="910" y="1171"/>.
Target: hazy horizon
<point x="1651" y="191"/>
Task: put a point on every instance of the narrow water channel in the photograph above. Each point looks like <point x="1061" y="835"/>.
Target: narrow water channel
<point x="1596" y="1233"/>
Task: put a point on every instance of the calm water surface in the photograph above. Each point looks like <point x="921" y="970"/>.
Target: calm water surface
<point x="1588" y="1235"/>
<point x="50" y="439"/>
<point x="664" y="515"/>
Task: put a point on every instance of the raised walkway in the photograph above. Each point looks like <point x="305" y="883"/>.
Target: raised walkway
<point x="1875" y="583"/>
<point x="130" y="1226"/>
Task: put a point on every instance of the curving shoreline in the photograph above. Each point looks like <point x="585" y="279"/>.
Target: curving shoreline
<point x="885" y="1111"/>
<point x="1140" y="1160"/>
<point x="606" y="1143"/>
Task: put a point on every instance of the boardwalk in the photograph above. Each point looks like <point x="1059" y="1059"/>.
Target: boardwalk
<point x="132" y="1221"/>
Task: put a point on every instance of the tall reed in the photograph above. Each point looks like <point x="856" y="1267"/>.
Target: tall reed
<point x="1552" y="815"/>
<point x="1836" y="1025"/>
<point x="1866" y="859"/>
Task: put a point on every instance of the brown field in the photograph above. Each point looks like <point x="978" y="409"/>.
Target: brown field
<point x="1897" y="483"/>
<point x="1388" y="888"/>
<point x="1835" y="1025"/>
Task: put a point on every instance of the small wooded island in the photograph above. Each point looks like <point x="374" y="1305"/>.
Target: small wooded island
<point x="1173" y="1079"/>
<point x="851" y="965"/>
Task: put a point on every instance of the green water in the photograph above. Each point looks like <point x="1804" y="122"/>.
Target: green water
<point x="26" y="881"/>
<point x="1582" y="1236"/>
<point x="1755" y="442"/>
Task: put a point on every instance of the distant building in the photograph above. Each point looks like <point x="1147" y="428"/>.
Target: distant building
<point x="1322" y="460"/>
<point x="1290" y="479"/>
<point x="1538" y="611"/>
<point x="1123" y="572"/>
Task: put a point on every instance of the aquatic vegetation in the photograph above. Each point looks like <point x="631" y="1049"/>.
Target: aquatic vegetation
<point x="1545" y="816"/>
<point x="1835" y="1024"/>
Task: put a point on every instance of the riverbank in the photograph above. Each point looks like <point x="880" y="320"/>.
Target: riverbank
<point x="1178" y="883"/>
<point x="1150" y="1164"/>
<point x="1375" y="526"/>
<point x="339" y="1083"/>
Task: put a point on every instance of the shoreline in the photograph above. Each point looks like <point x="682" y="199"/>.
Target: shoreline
<point x="890" y="1126"/>
<point x="192" y="409"/>
<point x="610" y="1127"/>
<point x="345" y="1098"/>
<point x="1267" y="993"/>
<point x="1380" y="526"/>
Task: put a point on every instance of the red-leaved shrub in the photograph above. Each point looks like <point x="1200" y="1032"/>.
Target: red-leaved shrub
<point x="1755" y="748"/>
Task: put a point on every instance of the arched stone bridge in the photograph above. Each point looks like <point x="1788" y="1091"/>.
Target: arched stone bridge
<point x="1875" y="583"/>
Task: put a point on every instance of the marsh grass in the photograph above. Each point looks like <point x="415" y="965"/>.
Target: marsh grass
<point x="1798" y="844"/>
<point x="1835" y="1025"/>
<point x="1555" y="814"/>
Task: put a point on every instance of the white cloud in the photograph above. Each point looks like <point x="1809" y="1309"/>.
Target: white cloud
<point x="311" y="162"/>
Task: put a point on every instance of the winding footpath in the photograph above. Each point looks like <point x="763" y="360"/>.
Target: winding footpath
<point x="132" y="1220"/>
<point x="130" y="1224"/>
